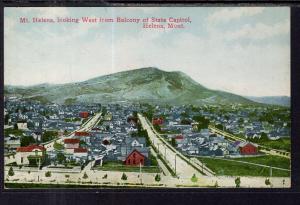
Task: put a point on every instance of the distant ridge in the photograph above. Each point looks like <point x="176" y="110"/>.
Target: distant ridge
<point x="272" y="100"/>
<point x="150" y="85"/>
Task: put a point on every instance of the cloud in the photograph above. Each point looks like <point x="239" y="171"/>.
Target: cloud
<point x="46" y="12"/>
<point x="259" y="31"/>
<point x="225" y="15"/>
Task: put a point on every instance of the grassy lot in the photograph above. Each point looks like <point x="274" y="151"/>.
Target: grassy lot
<point x="229" y="168"/>
<point x="119" y="166"/>
<point x="283" y="144"/>
<point x="13" y="131"/>
<point x="268" y="160"/>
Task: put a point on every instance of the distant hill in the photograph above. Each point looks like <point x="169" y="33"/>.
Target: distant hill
<point x="150" y="85"/>
<point x="272" y="100"/>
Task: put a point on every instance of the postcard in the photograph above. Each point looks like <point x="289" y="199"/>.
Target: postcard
<point x="147" y="97"/>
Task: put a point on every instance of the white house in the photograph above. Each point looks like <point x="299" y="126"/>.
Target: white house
<point x="35" y="153"/>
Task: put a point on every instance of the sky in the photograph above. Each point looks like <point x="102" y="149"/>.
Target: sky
<point x="243" y="50"/>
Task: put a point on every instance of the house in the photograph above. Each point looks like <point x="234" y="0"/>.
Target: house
<point x="71" y="143"/>
<point x="22" y="125"/>
<point x="80" y="152"/>
<point x="135" y="158"/>
<point x="157" y="121"/>
<point x="246" y="148"/>
<point x="30" y="155"/>
<point x="81" y="134"/>
<point x="179" y="138"/>
<point x="84" y="114"/>
<point x="84" y="136"/>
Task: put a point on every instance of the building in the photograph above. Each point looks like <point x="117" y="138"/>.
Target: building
<point x="80" y="152"/>
<point x="22" y="125"/>
<point x="30" y="155"/>
<point x="71" y="143"/>
<point x="247" y="148"/>
<point x="84" y="114"/>
<point x="135" y="158"/>
<point x="81" y="134"/>
<point x="157" y="121"/>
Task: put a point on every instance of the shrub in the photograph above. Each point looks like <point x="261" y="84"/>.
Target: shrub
<point x="67" y="176"/>
<point x="11" y="172"/>
<point x="124" y="177"/>
<point x="216" y="184"/>
<point x="237" y="182"/>
<point x="48" y="174"/>
<point x="104" y="177"/>
<point x="194" y="178"/>
<point x="267" y="182"/>
<point x="157" y="178"/>
<point x="85" y="176"/>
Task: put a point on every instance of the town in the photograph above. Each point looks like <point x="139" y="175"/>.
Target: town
<point x="154" y="145"/>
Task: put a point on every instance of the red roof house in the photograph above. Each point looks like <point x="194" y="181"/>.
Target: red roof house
<point x="82" y="134"/>
<point x="247" y="148"/>
<point x="30" y="148"/>
<point x="157" y="121"/>
<point x="135" y="158"/>
<point x="179" y="138"/>
<point x="32" y="154"/>
<point x="71" y="143"/>
<point x="80" y="150"/>
<point x="84" y="114"/>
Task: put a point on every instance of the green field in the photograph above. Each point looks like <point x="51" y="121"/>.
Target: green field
<point x="118" y="166"/>
<point x="268" y="160"/>
<point x="13" y="132"/>
<point x="282" y="144"/>
<point x="231" y="168"/>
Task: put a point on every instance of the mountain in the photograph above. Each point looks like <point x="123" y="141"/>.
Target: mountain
<point x="150" y="85"/>
<point x="272" y="100"/>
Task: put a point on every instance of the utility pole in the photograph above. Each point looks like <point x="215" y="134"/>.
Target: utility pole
<point x="175" y="162"/>
<point x="141" y="172"/>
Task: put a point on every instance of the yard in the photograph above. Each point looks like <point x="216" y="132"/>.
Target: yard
<point x="231" y="168"/>
<point x="282" y="144"/>
<point x="119" y="166"/>
<point x="268" y="160"/>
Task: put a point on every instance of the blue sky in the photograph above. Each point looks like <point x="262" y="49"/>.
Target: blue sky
<point x="241" y="50"/>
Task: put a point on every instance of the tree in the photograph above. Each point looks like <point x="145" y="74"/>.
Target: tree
<point x="27" y="140"/>
<point x="85" y="176"/>
<point x="173" y="142"/>
<point x="216" y="184"/>
<point x="202" y="122"/>
<point x="157" y="178"/>
<point x="6" y="118"/>
<point x="58" y="146"/>
<point x="11" y="172"/>
<point x="219" y="126"/>
<point x="267" y="182"/>
<point x="16" y="126"/>
<point x="237" y="182"/>
<point x="124" y="177"/>
<point x="49" y="135"/>
<point x="194" y="178"/>
<point x="60" y="158"/>
<point x="48" y="174"/>
<point x="157" y="128"/>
